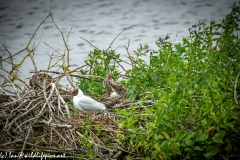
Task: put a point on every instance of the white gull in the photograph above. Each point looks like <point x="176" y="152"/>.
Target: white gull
<point x="86" y="104"/>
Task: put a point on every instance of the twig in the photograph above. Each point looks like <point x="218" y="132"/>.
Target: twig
<point x="134" y="103"/>
<point x="0" y="61"/>
<point x="78" y="133"/>
<point x="89" y="43"/>
<point x="116" y="48"/>
<point x="25" y="113"/>
<point x="10" y="56"/>
<point x="235" y="89"/>
<point x="32" y="101"/>
<point x="11" y="59"/>
<point x="117" y="61"/>
<point x="223" y="157"/>
<point x="50" y="95"/>
<point x="30" y="38"/>
<point x="55" y="64"/>
<point x="34" y="64"/>
<point x="15" y="109"/>
<point x="17" y="140"/>
<point x="70" y="82"/>
<point x="117" y="155"/>
<point x="69" y="34"/>
<point x="64" y="103"/>
<point x="58" y="95"/>
<point x="65" y="43"/>
<point x="28" y="133"/>
<point x="119" y="35"/>
<point x="74" y="75"/>
<point x="51" y="47"/>
<point x="61" y="136"/>
<point x="45" y="96"/>
<point x="57" y="125"/>
<point x="16" y="91"/>
<point x="128" y="52"/>
<point x="37" y="29"/>
<point x="233" y="46"/>
<point x="16" y="66"/>
<point x="13" y="85"/>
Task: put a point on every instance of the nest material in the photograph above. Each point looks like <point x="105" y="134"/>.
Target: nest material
<point x="41" y="119"/>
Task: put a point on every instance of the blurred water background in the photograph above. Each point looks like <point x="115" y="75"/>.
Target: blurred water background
<point x="98" y="21"/>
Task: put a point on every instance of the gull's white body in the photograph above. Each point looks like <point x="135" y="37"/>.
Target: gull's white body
<point x="87" y="104"/>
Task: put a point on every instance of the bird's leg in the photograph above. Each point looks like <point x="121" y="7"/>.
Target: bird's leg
<point x="91" y="118"/>
<point x="107" y="113"/>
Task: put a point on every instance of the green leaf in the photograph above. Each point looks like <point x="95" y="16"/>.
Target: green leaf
<point x="216" y="118"/>
<point x="224" y="126"/>
<point x="212" y="150"/>
<point x="169" y="125"/>
<point x="189" y="142"/>
<point x="120" y="125"/>
<point x="218" y="137"/>
<point x="198" y="148"/>
<point x="204" y="121"/>
<point x="165" y="134"/>
<point x="201" y="136"/>
<point x="211" y="153"/>
<point x="187" y="149"/>
<point x="230" y="124"/>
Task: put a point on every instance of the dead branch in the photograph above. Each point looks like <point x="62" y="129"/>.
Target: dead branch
<point x="119" y="35"/>
<point x="89" y="43"/>
<point x="73" y="75"/>
<point x="235" y="89"/>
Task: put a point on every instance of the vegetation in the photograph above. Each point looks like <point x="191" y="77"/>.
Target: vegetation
<point x="193" y="85"/>
<point x="184" y="103"/>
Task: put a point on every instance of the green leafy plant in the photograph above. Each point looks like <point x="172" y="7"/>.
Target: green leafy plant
<point x="100" y="63"/>
<point x="193" y="87"/>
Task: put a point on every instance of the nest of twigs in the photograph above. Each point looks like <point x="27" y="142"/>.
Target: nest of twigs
<point x="40" y="116"/>
<point x="40" y="119"/>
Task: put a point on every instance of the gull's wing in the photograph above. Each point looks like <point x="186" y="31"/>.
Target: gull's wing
<point x="89" y="104"/>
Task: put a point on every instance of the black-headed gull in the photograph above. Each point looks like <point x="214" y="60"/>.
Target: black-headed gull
<point x="86" y="104"/>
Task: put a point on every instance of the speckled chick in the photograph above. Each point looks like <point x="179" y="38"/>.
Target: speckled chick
<point x="107" y="83"/>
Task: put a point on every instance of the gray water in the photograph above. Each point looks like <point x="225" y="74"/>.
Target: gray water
<point x="98" y="21"/>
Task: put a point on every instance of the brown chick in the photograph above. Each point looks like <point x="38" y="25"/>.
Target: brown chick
<point x="107" y="83"/>
<point x="119" y="89"/>
<point x="112" y="86"/>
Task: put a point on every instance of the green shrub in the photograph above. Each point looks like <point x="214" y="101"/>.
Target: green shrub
<point x="193" y="86"/>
